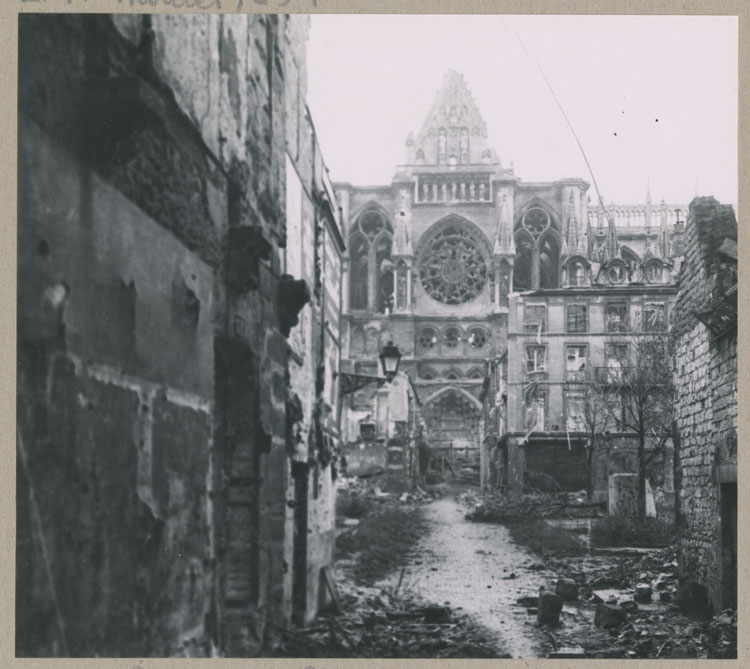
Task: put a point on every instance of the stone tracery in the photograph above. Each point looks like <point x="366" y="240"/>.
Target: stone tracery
<point x="452" y="267"/>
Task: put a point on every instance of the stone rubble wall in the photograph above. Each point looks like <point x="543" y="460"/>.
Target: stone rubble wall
<point x="154" y="475"/>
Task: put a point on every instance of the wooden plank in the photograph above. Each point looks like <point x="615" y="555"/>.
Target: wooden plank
<point x="331" y="585"/>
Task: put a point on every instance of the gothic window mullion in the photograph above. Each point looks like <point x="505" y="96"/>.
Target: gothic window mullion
<point x="372" y="279"/>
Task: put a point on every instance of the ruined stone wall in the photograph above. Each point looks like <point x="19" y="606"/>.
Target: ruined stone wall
<point x="152" y="357"/>
<point x="314" y="450"/>
<point x="705" y="369"/>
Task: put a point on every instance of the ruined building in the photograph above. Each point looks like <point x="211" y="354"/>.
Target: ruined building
<point x="502" y="294"/>
<point x="178" y="298"/>
<point x="705" y="372"/>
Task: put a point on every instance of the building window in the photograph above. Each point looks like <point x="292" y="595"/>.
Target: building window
<point x="536" y="358"/>
<point x="477" y="338"/>
<point x="428" y="374"/>
<point x="576" y="363"/>
<point x="367" y="431"/>
<point x="654" y="271"/>
<point x="370" y="272"/>
<point x="427" y="338"/>
<point x="536" y="410"/>
<point x="576" y="274"/>
<point x="616" y="357"/>
<point x="616" y="273"/>
<point x="533" y="318"/>
<point x="654" y="317"/>
<point x="575" y="410"/>
<point x="577" y="321"/>
<point x="617" y="316"/>
<point x="452" y="338"/>
<point x="536" y="221"/>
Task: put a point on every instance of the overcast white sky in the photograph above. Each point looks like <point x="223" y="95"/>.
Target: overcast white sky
<point x="373" y="78"/>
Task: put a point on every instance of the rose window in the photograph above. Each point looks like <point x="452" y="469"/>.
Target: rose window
<point x="452" y="268"/>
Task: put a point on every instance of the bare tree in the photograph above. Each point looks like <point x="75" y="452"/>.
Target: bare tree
<point x="637" y="389"/>
<point x="595" y="419"/>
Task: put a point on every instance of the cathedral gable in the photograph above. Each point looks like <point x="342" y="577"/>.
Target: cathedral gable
<point x="454" y="131"/>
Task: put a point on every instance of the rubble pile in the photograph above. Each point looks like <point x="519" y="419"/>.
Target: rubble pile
<point x="623" y="606"/>
<point x="496" y="508"/>
<point x="383" y="623"/>
<point x="377" y="529"/>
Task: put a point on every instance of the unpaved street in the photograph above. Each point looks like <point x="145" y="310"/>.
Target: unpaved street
<point x="476" y="567"/>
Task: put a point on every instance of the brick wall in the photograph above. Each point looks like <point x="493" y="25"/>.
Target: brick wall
<point x="705" y="368"/>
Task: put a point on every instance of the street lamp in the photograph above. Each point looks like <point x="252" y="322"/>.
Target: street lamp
<point x="390" y="357"/>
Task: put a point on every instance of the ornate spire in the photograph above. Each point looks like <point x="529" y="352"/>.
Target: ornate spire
<point x="664" y="250"/>
<point x="611" y="235"/>
<point x="648" y="205"/>
<point x="504" y="244"/>
<point x="573" y="242"/>
<point x="402" y="237"/>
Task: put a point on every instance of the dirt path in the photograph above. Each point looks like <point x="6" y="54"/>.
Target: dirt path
<point x="469" y="565"/>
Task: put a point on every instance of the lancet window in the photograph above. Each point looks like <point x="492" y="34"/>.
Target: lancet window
<point x="371" y="270"/>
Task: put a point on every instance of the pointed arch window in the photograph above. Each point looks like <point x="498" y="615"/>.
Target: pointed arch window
<point x="538" y="244"/>
<point x="371" y="270"/>
<point x="359" y="253"/>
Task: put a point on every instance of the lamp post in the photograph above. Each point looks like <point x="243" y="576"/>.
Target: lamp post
<point x="390" y="358"/>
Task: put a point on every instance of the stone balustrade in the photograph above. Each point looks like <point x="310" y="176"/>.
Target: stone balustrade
<point x="634" y="215"/>
<point x="453" y="188"/>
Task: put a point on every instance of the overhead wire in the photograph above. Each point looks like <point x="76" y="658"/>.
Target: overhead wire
<point x="562" y="111"/>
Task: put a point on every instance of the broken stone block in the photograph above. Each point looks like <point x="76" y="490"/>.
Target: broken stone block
<point x="642" y="593"/>
<point x="436" y="615"/>
<point x="608" y="596"/>
<point x="549" y="607"/>
<point x="629" y="605"/>
<point x="609" y="616"/>
<point x="527" y="601"/>
<point x="567" y="589"/>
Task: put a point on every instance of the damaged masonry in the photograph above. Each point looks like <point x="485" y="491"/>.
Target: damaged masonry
<point x="263" y="414"/>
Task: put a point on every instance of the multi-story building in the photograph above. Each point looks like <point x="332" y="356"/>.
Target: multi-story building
<point x="483" y="279"/>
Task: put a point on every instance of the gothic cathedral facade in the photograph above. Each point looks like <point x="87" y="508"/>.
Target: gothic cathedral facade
<point x="466" y="267"/>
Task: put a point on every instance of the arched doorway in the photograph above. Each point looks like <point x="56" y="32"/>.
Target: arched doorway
<point x="452" y="420"/>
